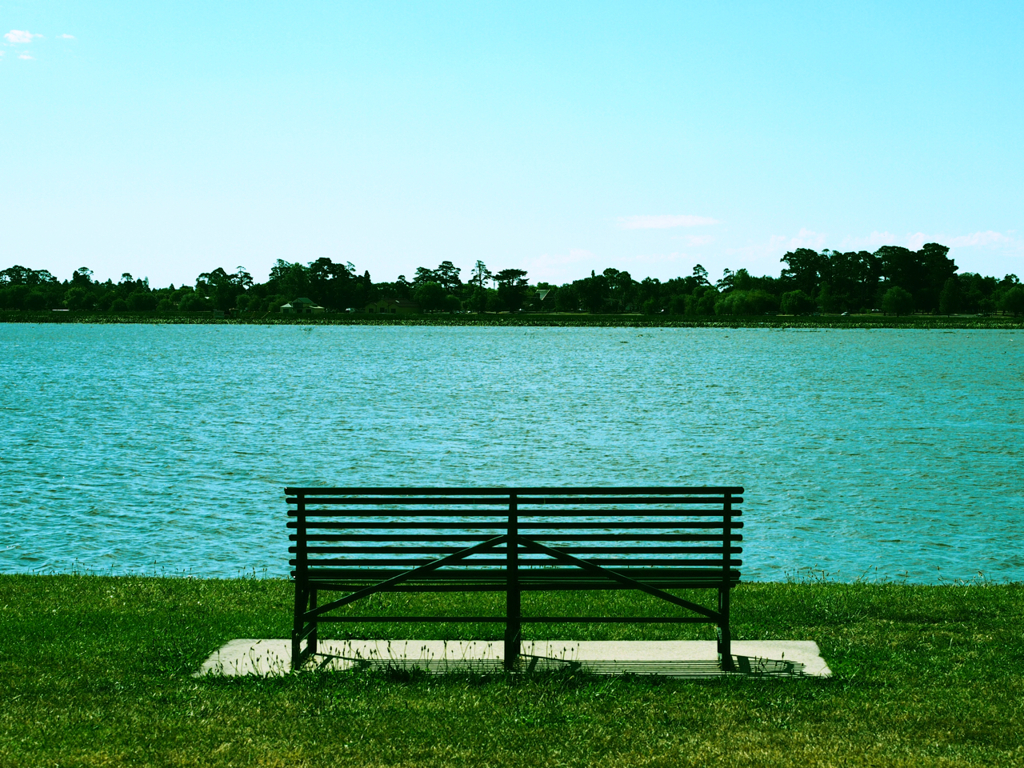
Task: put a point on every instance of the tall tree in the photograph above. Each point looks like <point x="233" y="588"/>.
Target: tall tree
<point x="424" y="275"/>
<point x="24" y="276"/>
<point x="897" y="301"/>
<point x="1013" y="301"/>
<point x="332" y="285"/>
<point x="481" y="275"/>
<point x="921" y="273"/>
<point x="82" y="277"/>
<point x="949" y="299"/>
<point x="290" y="280"/>
<point x="804" y="270"/>
<point x="430" y="296"/>
<point x="727" y="281"/>
<point x="223" y="289"/>
<point x="593" y="292"/>
<point x="511" y="288"/>
<point x="447" y="276"/>
<point x="621" y="289"/>
<point x="936" y="269"/>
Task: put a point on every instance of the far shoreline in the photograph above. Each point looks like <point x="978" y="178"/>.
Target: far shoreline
<point x="532" y="320"/>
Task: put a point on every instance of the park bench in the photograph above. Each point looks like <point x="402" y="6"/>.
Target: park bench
<point x="363" y="541"/>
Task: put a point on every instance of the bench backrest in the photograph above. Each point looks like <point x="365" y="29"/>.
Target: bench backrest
<point x="341" y="532"/>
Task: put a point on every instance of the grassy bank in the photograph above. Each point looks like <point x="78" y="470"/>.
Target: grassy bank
<point x="568" y="320"/>
<point x="97" y="671"/>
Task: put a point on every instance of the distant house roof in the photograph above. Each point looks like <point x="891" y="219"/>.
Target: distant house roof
<point x="302" y="306"/>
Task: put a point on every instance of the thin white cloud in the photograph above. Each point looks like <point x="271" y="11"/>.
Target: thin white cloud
<point x="67" y="37"/>
<point x="763" y="255"/>
<point x="805" y="238"/>
<point x="914" y="240"/>
<point x="664" y="222"/>
<point x="977" y="239"/>
<point x="26" y="57"/>
<point x="20" y="36"/>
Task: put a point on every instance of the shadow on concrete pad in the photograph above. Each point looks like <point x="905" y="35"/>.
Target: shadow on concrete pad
<point x="686" y="659"/>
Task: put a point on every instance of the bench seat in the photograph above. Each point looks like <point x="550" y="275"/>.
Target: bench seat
<point x="496" y="581"/>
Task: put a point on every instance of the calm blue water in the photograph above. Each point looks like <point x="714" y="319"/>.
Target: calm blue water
<point x="164" y="449"/>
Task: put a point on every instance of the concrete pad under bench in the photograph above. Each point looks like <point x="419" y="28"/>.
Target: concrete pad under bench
<point x="676" y="658"/>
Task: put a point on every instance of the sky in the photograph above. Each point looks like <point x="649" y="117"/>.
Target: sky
<point x="169" y="139"/>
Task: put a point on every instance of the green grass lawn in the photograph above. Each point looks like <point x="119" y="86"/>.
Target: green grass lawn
<point x="98" y="671"/>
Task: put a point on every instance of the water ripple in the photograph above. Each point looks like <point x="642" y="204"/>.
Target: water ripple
<point x="890" y="454"/>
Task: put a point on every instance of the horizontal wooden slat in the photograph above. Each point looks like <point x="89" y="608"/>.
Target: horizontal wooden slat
<point x="409" y="549"/>
<point x="409" y="564"/>
<point x="523" y="620"/>
<point x="540" y="536"/>
<point x="500" y="585"/>
<point x="661" y="576"/>
<point x="549" y="537"/>
<point x="493" y="580"/>
<point x="443" y="587"/>
<point x="501" y="523"/>
<point x="525" y="491"/>
<point x="435" y="507"/>
<point x="678" y="580"/>
<point x="622" y="516"/>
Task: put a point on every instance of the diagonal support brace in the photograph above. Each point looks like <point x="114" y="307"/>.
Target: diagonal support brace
<point x="432" y="566"/>
<point x="660" y="593"/>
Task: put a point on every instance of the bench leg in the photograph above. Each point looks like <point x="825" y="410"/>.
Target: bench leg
<point x="513" y="628"/>
<point x="311" y="642"/>
<point x="724" y="635"/>
<point x="305" y="599"/>
<point x="300" y="608"/>
<point x="513" y="643"/>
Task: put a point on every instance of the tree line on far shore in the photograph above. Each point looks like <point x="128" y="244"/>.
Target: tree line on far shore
<point x="894" y="280"/>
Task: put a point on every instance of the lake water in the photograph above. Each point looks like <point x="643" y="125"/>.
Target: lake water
<point x="157" y="449"/>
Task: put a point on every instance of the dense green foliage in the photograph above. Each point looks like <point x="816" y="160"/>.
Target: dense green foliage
<point x="893" y="280"/>
<point x="97" y="671"/>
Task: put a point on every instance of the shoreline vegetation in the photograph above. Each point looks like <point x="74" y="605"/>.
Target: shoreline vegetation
<point x="97" y="670"/>
<point x="530" y="320"/>
<point x="830" y="289"/>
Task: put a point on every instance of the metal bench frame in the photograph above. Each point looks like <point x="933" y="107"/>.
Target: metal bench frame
<point x="513" y="540"/>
